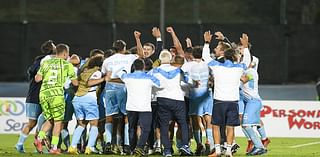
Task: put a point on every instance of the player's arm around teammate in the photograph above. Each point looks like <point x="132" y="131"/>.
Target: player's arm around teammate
<point x="86" y="106"/>
<point x="53" y="73"/>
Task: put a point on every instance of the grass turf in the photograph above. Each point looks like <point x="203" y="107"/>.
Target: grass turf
<point x="279" y="147"/>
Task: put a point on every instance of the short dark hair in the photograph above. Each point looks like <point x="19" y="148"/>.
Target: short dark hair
<point x="197" y="52"/>
<point x="108" y="53"/>
<point x="96" y="52"/>
<point x="48" y="47"/>
<point x="149" y="44"/>
<point x="188" y="50"/>
<point x="60" y="48"/>
<point x="95" y="61"/>
<point x="119" y="45"/>
<point x="138" y="64"/>
<point x="133" y="50"/>
<point x="148" y="64"/>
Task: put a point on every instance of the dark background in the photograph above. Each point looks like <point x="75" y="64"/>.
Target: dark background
<point x="285" y="34"/>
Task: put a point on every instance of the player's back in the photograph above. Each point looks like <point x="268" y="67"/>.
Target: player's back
<point x="139" y="86"/>
<point x="226" y="80"/>
<point x="170" y="79"/>
<point x="55" y="73"/>
<point x="200" y="71"/>
<point x="118" y="62"/>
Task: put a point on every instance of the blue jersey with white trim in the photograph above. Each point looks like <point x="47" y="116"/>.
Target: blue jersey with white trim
<point x="250" y="88"/>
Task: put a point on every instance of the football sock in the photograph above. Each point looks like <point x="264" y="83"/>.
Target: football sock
<point x="76" y="136"/>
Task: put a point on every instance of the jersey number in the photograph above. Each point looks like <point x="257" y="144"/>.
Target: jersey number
<point x="53" y="77"/>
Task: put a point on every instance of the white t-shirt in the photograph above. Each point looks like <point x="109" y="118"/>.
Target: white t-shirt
<point x="250" y="88"/>
<point x="139" y="86"/>
<point x="226" y="79"/>
<point x="170" y="79"/>
<point x="118" y="62"/>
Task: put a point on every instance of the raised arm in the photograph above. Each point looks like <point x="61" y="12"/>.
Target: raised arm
<point x="246" y="53"/>
<point x="189" y="43"/>
<point x="139" y="45"/>
<point x="176" y="41"/>
<point x="159" y="45"/>
<point x="207" y="36"/>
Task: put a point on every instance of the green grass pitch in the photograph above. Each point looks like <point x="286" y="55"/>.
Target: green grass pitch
<point x="279" y="147"/>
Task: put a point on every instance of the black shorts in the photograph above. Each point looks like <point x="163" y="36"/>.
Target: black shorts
<point x="155" y="117"/>
<point x="225" y="113"/>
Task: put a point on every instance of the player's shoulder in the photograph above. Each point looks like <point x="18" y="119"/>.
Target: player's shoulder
<point x="227" y="64"/>
<point x="66" y="63"/>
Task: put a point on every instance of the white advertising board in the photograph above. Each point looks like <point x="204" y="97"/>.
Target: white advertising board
<point x="290" y="119"/>
<point x="281" y="118"/>
<point x="13" y="115"/>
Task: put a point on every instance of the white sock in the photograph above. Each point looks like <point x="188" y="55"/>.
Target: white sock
<point x="228" y="152"/>
<point x="218" y="148"/>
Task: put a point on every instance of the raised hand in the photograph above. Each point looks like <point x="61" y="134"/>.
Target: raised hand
<point x="219" y="35"/>
<point x="207" y="36"/>
<point x="170" y="30"/>
<point x="137" y="34"/>
<point x="156" y="32"/>
<point x="244" y="40"/>
<point x="189" y="43"/>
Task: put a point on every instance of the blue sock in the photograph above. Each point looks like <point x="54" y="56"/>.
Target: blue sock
<point x="126" y="134"/>
<point x="64" y="133"/>
<point x="76" y="136"/>
<point x="65" y="137"/>
<point x="93" y="134"/>
<point x="22" y="138"/>
<point x="210" y="138"/>
<point x="197" y="136"/>
<point x="262" y="132"/>
<point x="40" y="122"/>
<point x="246" y="134"/>
<point x="108" y="130"/>
<point x="254" y="137"/>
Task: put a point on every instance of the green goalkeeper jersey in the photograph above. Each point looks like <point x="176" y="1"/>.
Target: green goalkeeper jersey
<point x="55" y="73"/>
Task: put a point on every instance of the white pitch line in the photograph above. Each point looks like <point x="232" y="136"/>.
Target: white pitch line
<point x="307" y="144"/>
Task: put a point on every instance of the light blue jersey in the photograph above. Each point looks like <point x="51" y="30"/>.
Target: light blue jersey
<point x="200" y="96"/>
<point x="252" y="100"/>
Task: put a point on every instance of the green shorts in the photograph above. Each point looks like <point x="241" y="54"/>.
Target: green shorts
<point x="53" y="107"/>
